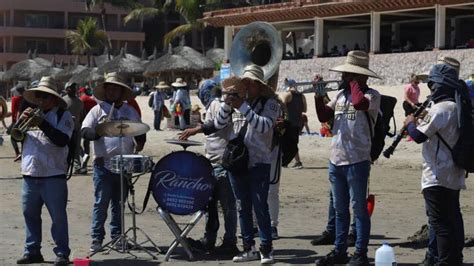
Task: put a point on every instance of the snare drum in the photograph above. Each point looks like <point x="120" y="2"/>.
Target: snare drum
<point x="182" y="182"/>
<point x="132" y="163"/>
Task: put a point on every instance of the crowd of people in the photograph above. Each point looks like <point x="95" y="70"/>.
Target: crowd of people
<point x="247" y="111"/>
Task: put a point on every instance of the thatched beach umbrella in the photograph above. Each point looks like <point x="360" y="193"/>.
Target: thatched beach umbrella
<point x="216" y="55"/>
<point x="194" y="56"/>
<point x="67" y="73"/>
<point x="89" y="74"/>
<point x="25" y="70"/>
<point x="169" y="63"/>
<point x="125" y="64"/>
<point x="50" y="71"/>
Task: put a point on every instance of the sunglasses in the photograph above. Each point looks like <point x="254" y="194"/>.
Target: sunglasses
<point x="42" y="95"/>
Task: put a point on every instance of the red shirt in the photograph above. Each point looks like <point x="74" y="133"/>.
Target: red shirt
<point x="134" y="104"/>
<point x="88" y="101"/>
<point x="16" y="100"/>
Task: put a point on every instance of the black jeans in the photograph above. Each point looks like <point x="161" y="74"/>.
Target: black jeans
<point x="446" y="220"/>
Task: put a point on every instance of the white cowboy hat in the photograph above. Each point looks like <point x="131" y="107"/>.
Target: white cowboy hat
<point x="255" y="73"/>
<point x="356" y="62"/>
<point x="162" y="85"/>
<point x="114" y="78"/>
<point x="179" y="83"/>
<point x="46" y="84"/>
<point x="452" y="62"/>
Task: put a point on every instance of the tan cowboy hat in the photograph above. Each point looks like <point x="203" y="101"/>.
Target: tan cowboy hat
<point x="114" y="78"/>
<point x="179" y="83"/>
<point x="356" y="62"/>
<point x="452" y="62"/>
<point x="46" y="84"/>
<point x="162" y="85"/>
<point x="255" y="73"/>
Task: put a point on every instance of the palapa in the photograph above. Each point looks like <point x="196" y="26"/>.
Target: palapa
<point x="27" y="69"/>
<point x="216" y="55"/>
<point x="67" y="73"/>
<point x="87" y="75"/>
<point x="124" y="64"/>
<point x="170" y="63"/>
<point x="194" y="56"/>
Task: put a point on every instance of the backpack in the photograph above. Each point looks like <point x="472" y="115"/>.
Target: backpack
<point x="382" y="125"/>
<point x="463" y="151"/>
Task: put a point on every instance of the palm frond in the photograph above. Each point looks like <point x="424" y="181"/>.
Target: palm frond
<point x="87" y="37"/>
<point x="142" y="13"/>
<point x="176" y="32"/>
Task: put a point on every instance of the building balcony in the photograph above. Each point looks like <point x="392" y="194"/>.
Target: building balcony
<point x="54" y="6"/>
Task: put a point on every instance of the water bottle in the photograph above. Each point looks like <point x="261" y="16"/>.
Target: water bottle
<point x="385" y="256"/>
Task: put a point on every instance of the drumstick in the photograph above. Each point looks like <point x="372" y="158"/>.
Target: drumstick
<point x="111" y="112"/>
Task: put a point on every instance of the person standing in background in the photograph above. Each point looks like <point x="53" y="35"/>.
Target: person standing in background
<point x="157" y="103"/>
<point x="75" y="106"/>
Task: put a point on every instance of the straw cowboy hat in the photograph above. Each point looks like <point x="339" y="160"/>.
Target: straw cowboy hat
<point x="356" y="62"/>
<point x="48" y="85"/>
<point x="229" y="86"/>
<point x="162" y="85"/>
<point x="114" y="78"/>
<point x="179" y="83"/>
<point x="255" y="73"/>
<point x="452" y="62"/>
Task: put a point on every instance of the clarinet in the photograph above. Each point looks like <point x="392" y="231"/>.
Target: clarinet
<point x="389" y="151"/>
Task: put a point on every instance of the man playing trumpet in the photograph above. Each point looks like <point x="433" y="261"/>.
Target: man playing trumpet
<point x="44" y="167"/>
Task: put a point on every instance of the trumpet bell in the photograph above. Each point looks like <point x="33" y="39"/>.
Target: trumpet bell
<point x="257" y="43"/>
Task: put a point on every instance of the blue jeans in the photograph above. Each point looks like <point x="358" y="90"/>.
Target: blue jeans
<point x="349" y="185"/>
<point x="331" y="226"/>
<point x="51" y="192"/>
<point x="107" y="191"/>
<point x="157" y="119"/>
<point x="251" y="189"/>
<point x="223" y="194"/>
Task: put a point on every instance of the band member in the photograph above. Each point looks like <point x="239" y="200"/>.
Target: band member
<point x="107" y="184"/>
<point x="251" y="104"/>
<point x="349" y="168"/>
<point x="441" y="183"/>
<point x="44" y="167"/>
<point x="216" y="142"/>
<point x="75" y="107"/>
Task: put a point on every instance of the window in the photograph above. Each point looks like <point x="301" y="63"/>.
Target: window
<point x="41" y="46"/>
<point x="36" y="21"/>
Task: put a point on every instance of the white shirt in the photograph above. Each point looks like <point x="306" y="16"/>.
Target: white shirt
<point x="438" y="165"/>
<point x="41" y="157"/>
<point x="107" y="147"/>
<point x="351" y="142"/>
<point x="216" y="142"/>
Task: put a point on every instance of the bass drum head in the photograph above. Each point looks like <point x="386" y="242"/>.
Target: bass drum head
<point x="182" y="182"/>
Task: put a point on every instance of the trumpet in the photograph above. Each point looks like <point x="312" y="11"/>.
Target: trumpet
<point x="335" y="84"/>
<point x="20" y="128"/>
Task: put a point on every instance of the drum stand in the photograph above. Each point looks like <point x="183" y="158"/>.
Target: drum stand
<point x="120" y="243"/>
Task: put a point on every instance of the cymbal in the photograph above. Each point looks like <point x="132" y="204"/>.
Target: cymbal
<point x="184" y="143"/>
<point x="121" y="128"/>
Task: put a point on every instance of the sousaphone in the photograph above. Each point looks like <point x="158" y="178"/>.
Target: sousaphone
<point x="257" y="43"/>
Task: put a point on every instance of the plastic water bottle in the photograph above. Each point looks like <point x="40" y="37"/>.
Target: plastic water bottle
<point x="385" y="256"/>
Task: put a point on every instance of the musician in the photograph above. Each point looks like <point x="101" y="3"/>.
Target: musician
<point x="252" y="103"/>
<point x="441" y="183"/>
<point x="216" y="142"/>
<point x="107" y="184"/>
<point x="349" y="168"/>
<point x="75" y="107"/>
<point x="44" y="167"/>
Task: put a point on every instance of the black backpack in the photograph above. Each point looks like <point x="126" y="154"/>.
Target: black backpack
<point x="382" y="125"/>
<point x="463" y="150"/>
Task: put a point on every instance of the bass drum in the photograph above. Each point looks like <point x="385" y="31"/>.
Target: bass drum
<point x="182" y="182"/>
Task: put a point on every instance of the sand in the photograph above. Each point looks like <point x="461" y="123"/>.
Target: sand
<point x="399" y="209"/>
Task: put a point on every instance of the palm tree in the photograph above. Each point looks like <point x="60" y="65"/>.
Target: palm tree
<point x="190" y="10"/>
<point x="87" y="38"/>
<point x="101" y="4"/>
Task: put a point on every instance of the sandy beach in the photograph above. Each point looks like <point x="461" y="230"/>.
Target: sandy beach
<point x="399" y="209"/>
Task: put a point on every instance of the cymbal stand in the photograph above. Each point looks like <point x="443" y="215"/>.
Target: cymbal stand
<point x="123" y="240"/>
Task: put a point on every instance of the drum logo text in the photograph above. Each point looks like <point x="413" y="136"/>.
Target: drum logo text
<point x="169" y="180"/>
